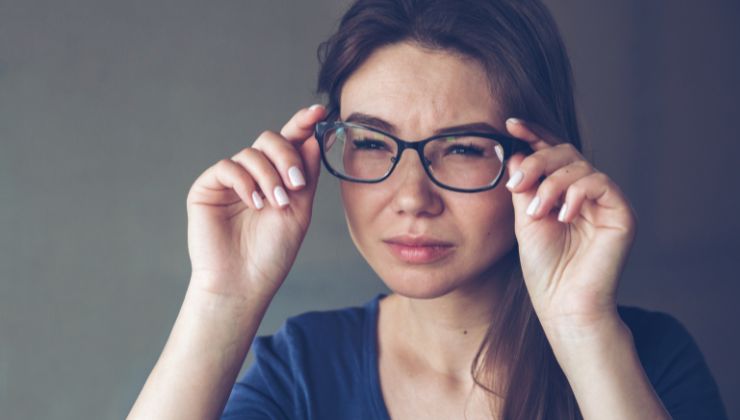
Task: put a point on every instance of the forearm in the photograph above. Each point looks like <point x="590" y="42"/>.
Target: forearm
<point x="203" y="355"/>
<point x="604" y="371"/>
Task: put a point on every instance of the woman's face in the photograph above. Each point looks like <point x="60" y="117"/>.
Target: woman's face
<point x="422" y="240"/>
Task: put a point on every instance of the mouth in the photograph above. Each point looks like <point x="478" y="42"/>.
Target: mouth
<point x="418" y="249"/>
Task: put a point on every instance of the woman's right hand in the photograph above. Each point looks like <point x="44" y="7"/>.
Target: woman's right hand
<point x="248" y="215"/>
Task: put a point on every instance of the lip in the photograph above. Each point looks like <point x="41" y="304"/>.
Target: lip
<point x="418" y="249"/>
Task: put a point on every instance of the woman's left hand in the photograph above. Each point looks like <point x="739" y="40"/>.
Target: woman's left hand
<point x="571" y="257"/>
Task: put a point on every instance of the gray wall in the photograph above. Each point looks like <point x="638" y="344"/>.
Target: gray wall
<point x="109" y="110"/>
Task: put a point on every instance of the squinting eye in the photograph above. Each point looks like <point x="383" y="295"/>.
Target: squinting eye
<point x="369" y="144"/>
<point x="465" y="149"/>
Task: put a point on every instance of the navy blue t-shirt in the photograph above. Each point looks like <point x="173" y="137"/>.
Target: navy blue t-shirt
<point x="324" y="365"/>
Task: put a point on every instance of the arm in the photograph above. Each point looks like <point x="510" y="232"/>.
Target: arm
<point x="602" y="366"/>
<point x="199" y="364"/>
<point x="247" y="217"/>
<point x="572" y="258"/>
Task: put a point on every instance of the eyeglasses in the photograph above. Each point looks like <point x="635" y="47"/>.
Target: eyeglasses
<point x="463" y="162"/>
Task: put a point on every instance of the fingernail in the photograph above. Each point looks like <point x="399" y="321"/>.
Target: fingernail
<point x="533" y="206"/>
<point x="257" y="200"/>
<point x="281" y="197"/>
<point x="514" y="121"/>
<point x="314" y="106"/>
<point x="563" y="210"/>
<point x="515" y="180"/>
<point x="296" y="177"/>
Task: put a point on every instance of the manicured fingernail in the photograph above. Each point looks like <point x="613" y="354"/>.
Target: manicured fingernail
<point x="514" y="121"/>
<point x="257" y="200"/>
<point x="515" y="180"/>
<point x="296" y="177"/>
<point x="563" y="210"/>
<point x="281" y="197"/>
<point x="314" y="106"/>
<point x="533" y="206"/>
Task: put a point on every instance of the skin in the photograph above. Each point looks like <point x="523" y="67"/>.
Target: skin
<point x="391" y="84"/>
<point x="243" y="239"/>
<point x="446" y="305"/>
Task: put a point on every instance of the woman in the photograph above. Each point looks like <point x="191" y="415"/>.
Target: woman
<point x="502" y="245"/>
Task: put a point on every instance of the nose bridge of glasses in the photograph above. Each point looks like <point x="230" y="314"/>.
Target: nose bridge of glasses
<point x="412" y="175"/>
<point x="418" y="146"/>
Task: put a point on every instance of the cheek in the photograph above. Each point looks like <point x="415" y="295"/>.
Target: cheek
<point x="361" y="202"/>
<point x="490" y="219"/>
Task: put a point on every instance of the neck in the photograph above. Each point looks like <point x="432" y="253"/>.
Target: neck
<point x="444" y="334"/>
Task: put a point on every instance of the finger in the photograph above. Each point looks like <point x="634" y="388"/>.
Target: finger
<point x="311" y="153"/>
<point x="299" y="129"/>
<point x="284" y="156"/>
<point x="552" y="189"/>
<point x="540" y="164"/>
<point x="597" y="187"/>
<point x="264" y="173"/>
<point x="218" y="183"/>
<point x="532" y="133"/>
<point x="301" y="126"/>
<point x="521" y="199"/>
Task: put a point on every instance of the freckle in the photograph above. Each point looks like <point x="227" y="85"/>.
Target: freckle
<point x="465" y="331"/>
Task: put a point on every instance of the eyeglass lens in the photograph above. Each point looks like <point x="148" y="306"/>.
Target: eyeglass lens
<point x="463" y="162"/>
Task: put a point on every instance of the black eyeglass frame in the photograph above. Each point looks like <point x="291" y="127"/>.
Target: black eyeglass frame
<point x="511" y="145"/>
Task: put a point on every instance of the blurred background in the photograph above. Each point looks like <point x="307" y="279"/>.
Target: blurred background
<point x="109" y="110"/>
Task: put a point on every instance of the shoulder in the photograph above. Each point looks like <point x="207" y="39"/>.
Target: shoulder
<point x="312" y="361"/>
<point x="320" y="344"/>
<point x="673" y="363"/>
<point x="653" y="330"/>
<point x="331" y="322"/>
<point x="659" y="338"/>
<point x="329" y="330"/>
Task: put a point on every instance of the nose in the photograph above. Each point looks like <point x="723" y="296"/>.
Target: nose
<point x="414" y="192"/>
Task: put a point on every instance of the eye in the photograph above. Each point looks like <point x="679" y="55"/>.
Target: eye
<point x="369" y="144"/>
<point x="465" y="150"/>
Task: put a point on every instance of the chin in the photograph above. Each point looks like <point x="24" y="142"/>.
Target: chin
<point x="431" y="281"/>
<point x="418" y="283"/>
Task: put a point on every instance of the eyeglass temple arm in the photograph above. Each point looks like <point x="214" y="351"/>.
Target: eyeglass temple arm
<point x="319" y="129"/>
<point x="520" y="146"/>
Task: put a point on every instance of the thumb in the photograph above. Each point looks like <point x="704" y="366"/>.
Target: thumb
<point x="523" y="199"/>
<point x="303" y="199"/>
<point x="311" y="156"/>
<point x="299" y="131"/>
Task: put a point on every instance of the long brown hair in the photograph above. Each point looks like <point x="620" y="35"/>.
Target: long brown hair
<point x="519" y="45"/>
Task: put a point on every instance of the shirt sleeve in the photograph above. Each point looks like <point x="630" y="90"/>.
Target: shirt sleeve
<point x="266" y="390"/>
<point x="676" y="367"/>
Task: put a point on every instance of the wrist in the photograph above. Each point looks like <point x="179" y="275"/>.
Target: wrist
<point x="583" y="327"/>
<point x="213" y="329"/>
<point x="604" y="370"/>
<point x="232" y="289"/>
<point x="210" y="304"/>
<point x="578" y="345"/>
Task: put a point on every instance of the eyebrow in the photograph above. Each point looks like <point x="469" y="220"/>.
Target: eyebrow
<point x="375" y="122"/>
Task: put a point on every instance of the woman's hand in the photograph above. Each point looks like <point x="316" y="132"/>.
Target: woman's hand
<point x="248" y="215"/>
<point x="571" y="266"/>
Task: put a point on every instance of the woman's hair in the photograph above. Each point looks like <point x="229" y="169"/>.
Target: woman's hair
<point x="518" y="43"/>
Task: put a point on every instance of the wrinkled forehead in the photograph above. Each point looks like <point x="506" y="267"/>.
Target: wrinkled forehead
<point x="419" y="89"/>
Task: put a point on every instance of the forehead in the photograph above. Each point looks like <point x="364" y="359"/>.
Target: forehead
<point x="418" y="88"/>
